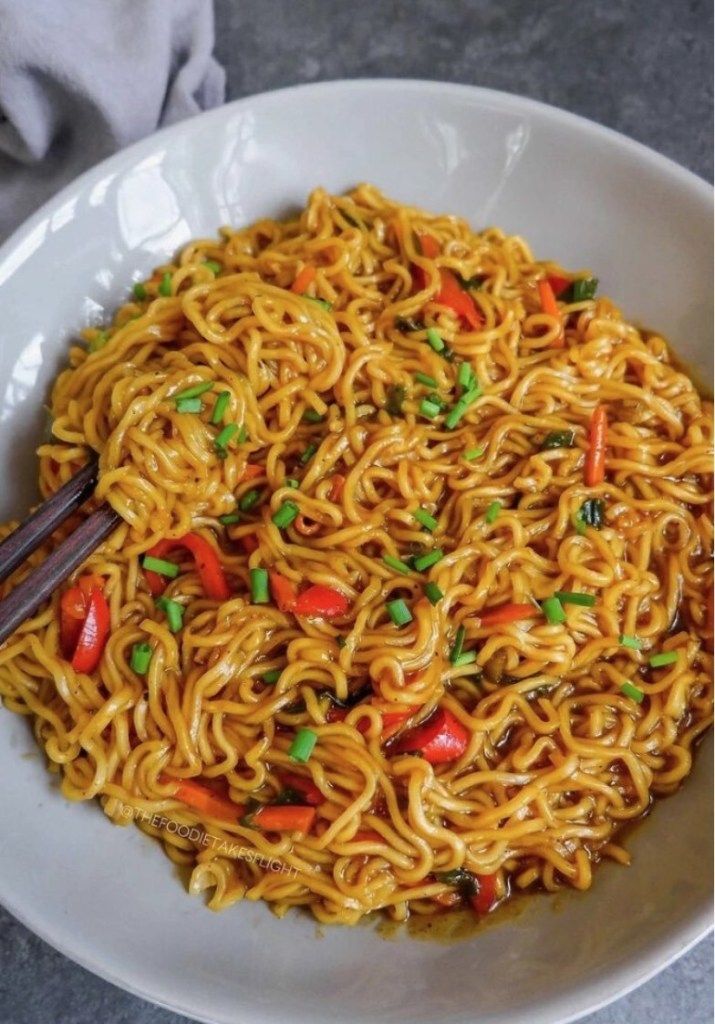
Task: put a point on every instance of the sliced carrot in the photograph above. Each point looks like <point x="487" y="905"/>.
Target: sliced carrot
<point x="430" y="246"/>
<point x="251" y="471"/>
<point x="336" y="487"/>
<point x="595" y="466"/>
<point x="201" y="798"/>
<point x="506" y="613"/>
<point x="285" y="818"/>
<point x="283" y="590"/>
<point x="303" y="278"/>
<point x="550" y="306"/>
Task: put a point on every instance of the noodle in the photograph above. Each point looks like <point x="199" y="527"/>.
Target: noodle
<point x="558" y="752"/>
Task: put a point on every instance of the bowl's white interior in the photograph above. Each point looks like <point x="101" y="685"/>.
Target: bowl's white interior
<point x="579" y="194"/>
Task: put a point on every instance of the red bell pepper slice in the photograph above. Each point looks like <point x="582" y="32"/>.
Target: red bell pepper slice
<point x="392" y="721"/>
<point x="440" y="739"/>
<point x="558" y="284"/>
<point x="73" y="610"/>
<point x="283" y="590"/>
<point x="451" y="293"/>
<point x="485" y="897"/>
<point x="321" y="602"/>
<point x="249" y="543"/>
<point x="594" y="470"/>
<point x="206" y="560"/>
<point x="284" y="818"/>
<point x="303" y="785"/>
<point x="93" y="634"/>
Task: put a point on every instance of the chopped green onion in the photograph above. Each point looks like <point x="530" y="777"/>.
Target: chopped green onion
<point x="558" y="439"/>
<point x="165" y="285"/>
<point x="629" y="690"/>
<point x="139" y="291"/>
<point x="229" y="518"/>
<point x="99" y="341"/>
<point x="312" y="416"/>
<point x="569" y="597"/>
<point x="424" y="378"/>
<point x="425" y="520"/>
<point x="395" y="400"/>
<point x="492" y="511"/>
<point x="271" y="677"/>
<point x="399" y="612"/>
<point x="291" y="482"/>
<point x="189" y="405"/>
<point x="141" y="658"/>
<point x="396" y="564"/>
<point x="633" y="642"/>
<point x="664" y="658"/>
<point x="408" y="324"/>
<point x="474" y="453"/>
<point x="433" y="593"/>
<point x="458" y="645"/>
<point x="286" y="514"/>
<point x="160" y="565"/>
<point x="578" y="523"/>
<point x="174" y="613"/>
<point x="308" y="453"/>
<point x="458" y="410"/>
<point x="223" y="439"/>
<point x="213" y="266"/>
<point x="553" y="611"/>
<point x="434" y="339"/>
<point x="302" y="746"/>
<point x="466" y="658"/>
<point x="194" y="391"/>
<point x="249" y="499"/>
<point x="427" y="560"/>
<point x="593" y="512"/>
<point x="220" y="406"/>
<point x="465" y="375"/>
<point x="259" y="586"/>
<point x="327" y="306"/>
<point x="581" y="289"/>
<point x="242" y="434"/>
<point x="429" y="408"/>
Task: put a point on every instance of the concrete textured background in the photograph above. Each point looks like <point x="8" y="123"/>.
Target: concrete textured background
<point x="643" y="67"/>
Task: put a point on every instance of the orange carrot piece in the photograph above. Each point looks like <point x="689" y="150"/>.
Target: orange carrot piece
<point x="283" y="590"/>
<point x="251" y="471"/>
<point x="595" y="466"/>
<point x="285" y="818"/>
<point x="336" y="487"/>
<point x="202" y="799"/>
<point x="550" y="306"/>
<point x="303" y="278"/>
<point x="506" y="613"/>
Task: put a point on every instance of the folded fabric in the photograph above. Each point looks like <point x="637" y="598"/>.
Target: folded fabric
<point x="80" y="80"/>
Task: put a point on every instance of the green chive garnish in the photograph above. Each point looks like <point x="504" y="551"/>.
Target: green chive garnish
<point x="308" y="454"/>
<point x="423" y="378"/>
<point x="458" y="645"/>
<point x="464" y="375"/>
<point x="271" y="677"/>
<point x="578" y="523"/>
<point x="570" y="597"/>
<point x="160" y="565"/>
<point x="302" y="746"/>
<point x="396" y="564"/>
<point x="189" y="405"/>
<point x="141" y="658"/>
<point x="629" y="690"/>
<point x="399" y="612"/>
<point x="553" y="611"/>
<point x="291" y="482"/>
<point x="249" y="499"/>
<point x="427" y="521"/>
<point x="433" y="593"/>
<point x="458" y="410"/>
<point x="466" y="658"/>
<point x="223" y="439"/>
<point x="664" y="658"/>
<point x="98" y="341"/>
<point x="427" y="560"/>
<point x="174" y="613"/>
<point x="492" y="511"/>
<point x="474" y="453"/>
<point x="194" y="391"/>
<point x="312" y="416"/>
<point x="213" y="266"/>
<point x="229" y="518"/>
<point x="286" y="514"/>
<point x="165" y="285"/>
<point x="139" y="291"/>
<point x="630" y="641"/>
<point x="220" y="406"/>
<point x="429" y="408"/>
<point x="558" y="439"/>
<point x="242" y="434"/>
<point x="581" y="289"/>
<point x="593" y="512"/>
<point x="327" y="306"/>
<point x="259" y="586"/>
<point x="434" y="339"/>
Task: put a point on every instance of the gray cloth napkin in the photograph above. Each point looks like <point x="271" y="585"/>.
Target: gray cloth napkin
<point x="80" y="79"/>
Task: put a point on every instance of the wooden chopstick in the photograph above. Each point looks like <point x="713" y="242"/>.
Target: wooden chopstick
<point x="28" y="595"/>
<point x="46" y="518"/>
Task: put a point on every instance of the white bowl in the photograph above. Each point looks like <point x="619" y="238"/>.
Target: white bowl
<point x="108" y="897"/>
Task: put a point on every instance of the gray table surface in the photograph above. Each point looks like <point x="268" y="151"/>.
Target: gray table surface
<point x="643" y="67"/>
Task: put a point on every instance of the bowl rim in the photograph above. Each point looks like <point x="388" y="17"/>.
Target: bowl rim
<point x="685" y="936"/>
